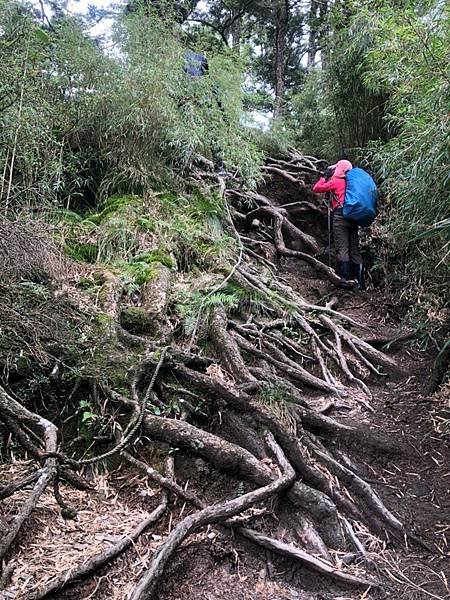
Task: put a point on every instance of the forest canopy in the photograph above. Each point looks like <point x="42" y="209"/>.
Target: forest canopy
<point x="83" y="118"/>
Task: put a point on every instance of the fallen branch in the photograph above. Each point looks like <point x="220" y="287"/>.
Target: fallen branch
<point x="99" y="560"/>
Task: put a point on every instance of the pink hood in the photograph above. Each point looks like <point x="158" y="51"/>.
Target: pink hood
<point x="341" y="168"/>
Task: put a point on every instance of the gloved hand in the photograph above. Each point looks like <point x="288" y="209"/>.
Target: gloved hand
<point x="329" y="171"/>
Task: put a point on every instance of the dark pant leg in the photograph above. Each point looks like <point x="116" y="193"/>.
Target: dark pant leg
<point x="355" y="252"/>
<point x="341" y="231"/>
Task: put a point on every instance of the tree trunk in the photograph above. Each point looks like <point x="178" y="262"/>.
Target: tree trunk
<point x="312" y="39"/>
<point x="236" y="28"/>
<point x="323" y="9"/>
<point x="281" y="16"/>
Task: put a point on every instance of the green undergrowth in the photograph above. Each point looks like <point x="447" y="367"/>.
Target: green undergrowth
<point x="38" y="328"/>
<point x="278" y="402"/>
<point x="53" y="353"/>
<point x="133" y="236"/>
<point x="189" y="305"/>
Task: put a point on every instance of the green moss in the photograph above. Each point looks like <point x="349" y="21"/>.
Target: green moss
<point x="136" y="320"/>
<point x="68" y="216"/>
<point x="110" y="362"/>
<point x="155" y="256"/>
<point x="170" y="199"/>
<point x="91" y="285"/>
<point x="102" y="320"/>
<point x="139" y="273"/>
<point x="146" y="224"/>
<point x="112" y="205"/>
<point x="208" y="206"/>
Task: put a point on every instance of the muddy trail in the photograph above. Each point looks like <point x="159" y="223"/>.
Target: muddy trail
<point x="376" y="449"/>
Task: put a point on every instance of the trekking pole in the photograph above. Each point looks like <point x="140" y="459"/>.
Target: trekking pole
<point x="329" y="229"/>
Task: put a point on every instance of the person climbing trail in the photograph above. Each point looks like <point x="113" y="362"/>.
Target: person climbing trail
<point x="346" y="240"/>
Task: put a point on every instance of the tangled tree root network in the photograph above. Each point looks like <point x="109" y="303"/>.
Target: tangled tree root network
<point x="309" y="355"/>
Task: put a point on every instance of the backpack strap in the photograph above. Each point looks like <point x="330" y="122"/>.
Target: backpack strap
<point x="336" y="199"/>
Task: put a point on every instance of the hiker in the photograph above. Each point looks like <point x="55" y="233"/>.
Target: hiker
<point x="348" y="255"/>
<point x="196" y="66"/>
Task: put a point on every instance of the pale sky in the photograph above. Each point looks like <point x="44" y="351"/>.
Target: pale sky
<point x="81" y="7"/>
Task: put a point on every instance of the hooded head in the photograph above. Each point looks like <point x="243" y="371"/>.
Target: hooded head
<point x="341" y="168"/>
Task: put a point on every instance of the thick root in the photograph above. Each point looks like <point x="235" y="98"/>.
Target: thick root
<point x="207" y="516"/>
<point x="13" y="409"/>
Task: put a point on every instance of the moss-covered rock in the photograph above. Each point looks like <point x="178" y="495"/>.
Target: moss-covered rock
<point x="156" y="255"/>
<point x="112" y="205"/>
<point x="136" y="320"/>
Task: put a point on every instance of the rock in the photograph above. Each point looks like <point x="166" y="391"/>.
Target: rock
<point x="205" y="281"/>
<point x="419" y="489"/>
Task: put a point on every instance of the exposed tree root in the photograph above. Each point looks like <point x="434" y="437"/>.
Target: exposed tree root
<point x="289" y="176"/>
<point x="207" y="516"/>
<point x="320" y="267"/>
<point x="312" y="562"/>
<point x="306" y="530"/>
<point x="10" y="407"/>
<point x="347" y="434"/>
<point x="167" y="483"/>
<point x="357" y="485"/>
<point x="279" y="214"/>
<point x="100" y="560"/>
<point x="12" y="488"/>
<point x="227" y="347"/>
<point x="28" y="506"/>
<point x="264" y="362"/>
<point x="285" y="365"/>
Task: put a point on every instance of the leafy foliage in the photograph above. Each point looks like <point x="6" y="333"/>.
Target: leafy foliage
<point x="47" y="106"/>
<point x="381" y="99"/>
<point x="410" y="61"/>
<point x="79" y="124"/>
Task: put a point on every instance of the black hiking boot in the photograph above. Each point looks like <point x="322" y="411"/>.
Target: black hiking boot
<point x="343" y="269"/>
<point x="357" y="273"/>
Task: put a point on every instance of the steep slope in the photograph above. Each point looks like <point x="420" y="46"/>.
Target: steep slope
<point x="219" y="372"/>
